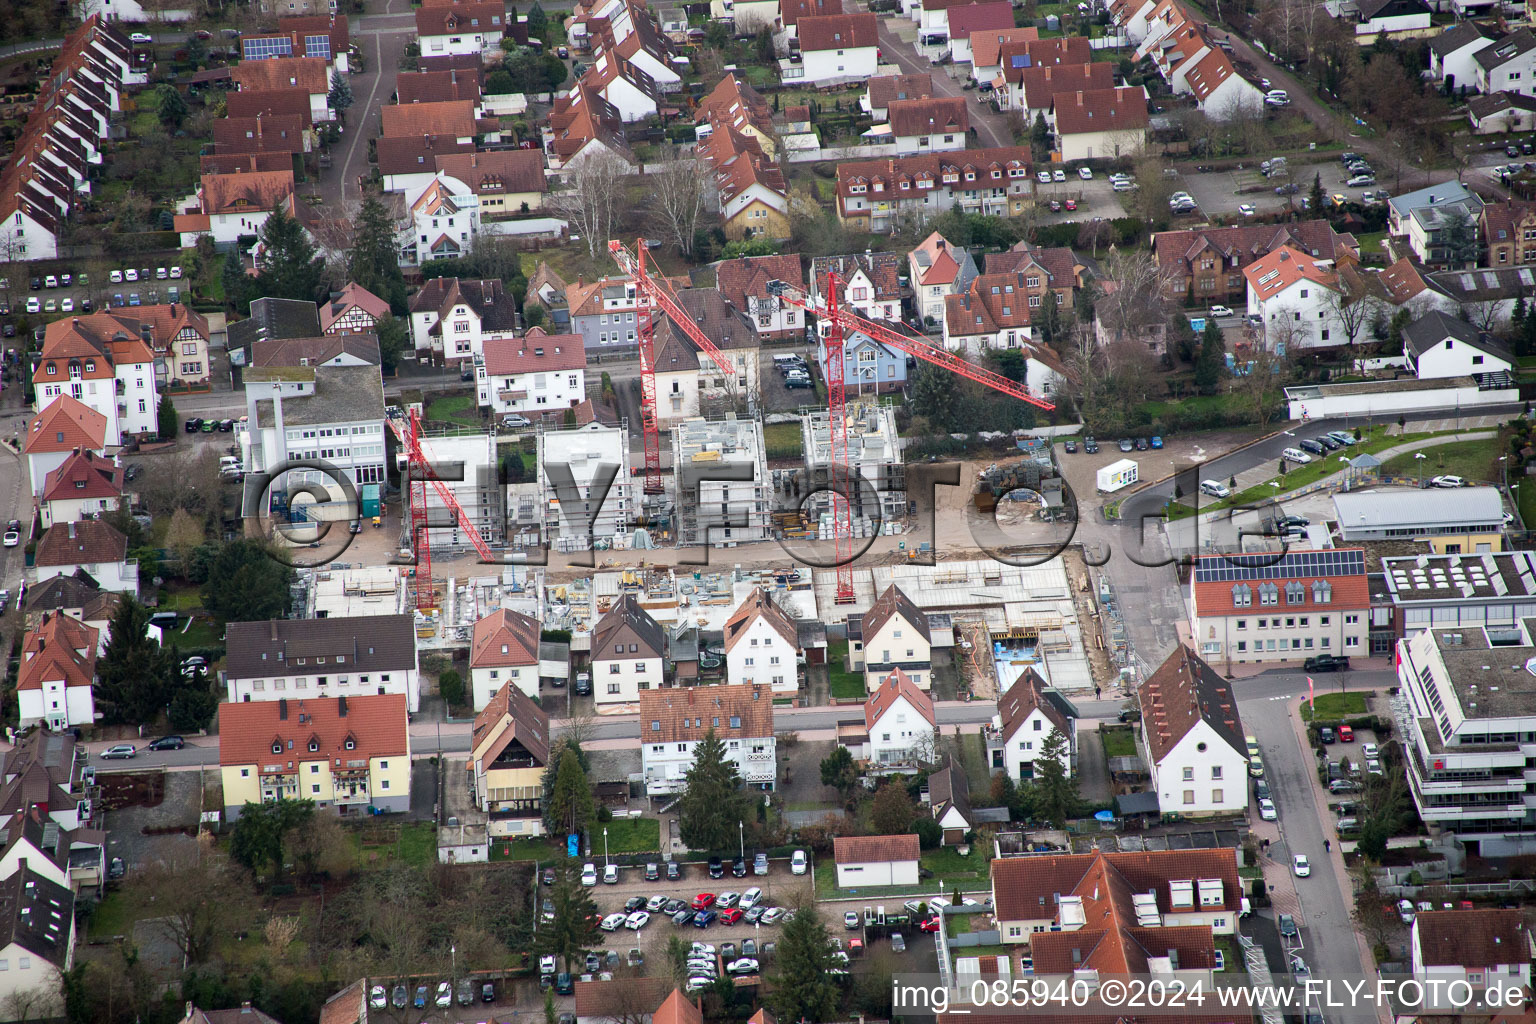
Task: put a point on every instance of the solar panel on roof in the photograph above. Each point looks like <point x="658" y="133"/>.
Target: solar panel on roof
<point x="1237" y="568"/>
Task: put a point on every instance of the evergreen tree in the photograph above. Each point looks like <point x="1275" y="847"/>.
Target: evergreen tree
<point x="135" y="675"/>
<point x="570" y="807"/>
<point x="1055" y="790"/>
<point x="237" y="283"/>
<point x="1050" y="318"/>
<point x="839" y="771"/>
<point x="340" y="96"/>
<point x="1040" y="139"/>
<point x="172" y="109"/>
<point x="290" y="269"/>
<point x="801" y="986"/>
<point x="261" y="833"/>
<point x="166" y="421"/>
<point x="571" y="933"/>
<point x="246" y="584"/>
<point x="373" y="262"/>
<point x="1315" y="197"/>
<point x="393" y="340"/>
<point x="935" y="395"/>
<point x="538" y="22"/>
<point x="712" y="802"/>
<point x="1212" y="361"/>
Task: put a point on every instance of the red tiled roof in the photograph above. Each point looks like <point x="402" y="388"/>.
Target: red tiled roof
<point x="1041" y="85"/>
<point x="1474" y="939"/>
<point x="1278" y="270"/>
<point x="499" y="172"/>
<point x="682" y="714"/>
<point x="309" y="74"/>
<point x="1025" y="888"/>
<point x="933" y="116"/>
<point x="748" y="276"/>
<point x="60" y="648"/>
<point x="1021" y="700"/>
<point x="271" y="133"/>
<point x="504" y="638"/>
<point x="530" y="726"/>
<point x="87" y="542"/>
<point x="534" y="352"/>
<point x="1349" y="591"/>
<point x="992" y="16"/>
<point x="791" y="11"/>
<point x="985" y="167"/>
<point x="65" y="424"/>
<point x="417" y="154"/>
<point x="838" y="32"/>
<point x="735" y="103"/>
<point x="1100" y="110"/>
<point x="986" y="47"/>
<point x="437" y="86"/>
<point x="353" y="295"/>
<point x="83" y="474"/>
<point x="758" y="605"/>
<point x="677" y="1009"/>
<point x="875" y="849"/>
<point x="376" y="723"/>
<point x="447" y="19"/>
<point x="942" y="267"/>
<point x="280" y="102"/>
<point x="897" y="684"/>
<point x="1183" y="692"/>
<point x="258" y="190"/>
<point x="453" y="118"/>
<point x="885" y="88"/>
<point x="1238" y="246"/>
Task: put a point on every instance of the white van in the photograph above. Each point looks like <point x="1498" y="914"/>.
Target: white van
<point x="1296" y="455"/>
<point x="1215" y="489"/>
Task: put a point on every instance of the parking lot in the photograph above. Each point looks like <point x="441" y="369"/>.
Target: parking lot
<point x="30" y="293"/>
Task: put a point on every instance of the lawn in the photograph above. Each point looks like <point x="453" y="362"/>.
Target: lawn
<point x="525" y="849"/>
<point x="1472" y="460"/>
<point x="1525" y="499"/>
<point x="845" y="685"/>
<point x="112" y="916"/>
<point x="1371" y="242"/>
<point x="783" y="440"/>
<point x="630" y="835"/>
<point x="949" y="867"/>
<point x="417" y="845"/>
<point x="1117" y="742"/>
<point x="460" y="409"/>
<point x="1335" y="705"/>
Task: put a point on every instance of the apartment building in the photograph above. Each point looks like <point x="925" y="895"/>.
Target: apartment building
<point x="1208" y="263"/>
<point x="1279" y="606"/>
<point x="878" y="195"/>
<point x="317" y="659"/>
<point x="585" y="489"/>
<point x="451" y="319"/>
<point x="629" y="653"/>
<point x="503" y="650"/>
<point x="535" y="375"/>
<point x="509" y="750"/>
<point x="673" y="721"/>
<point x="1192" y="738"/>
<point x="55" y="682"/>
<point x="721" y="471"/>
<point x="96" y="361"/>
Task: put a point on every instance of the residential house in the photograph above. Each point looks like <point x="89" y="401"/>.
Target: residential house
<point x="1100" y="123"/>
<point x="176" y="334"/>
<point x="933" y="125"/>
<point x="736" y="105"/>
<point x="504" y="649"/>
<point x="100" y="361"/>
<point x="966" y="20"/>
<point x="754" y="195"/>
<point x="547" y="289"/>
<point x="837" y="48"/>
<point x="603" y="312"/>
<point x="631" y="93"/>
<point x="538" y="374"/>
<point x="468" y="312"/>
<point x="684" y="376"/>
<point x="1236" y="607"/>
<point x="231" y="207"/>
<point x="629" y="31"/>
<point x="45" y="770"/>
<point x="245" y="1013"/>
<point x="37" y="920"/>
<point x="90" y="544"/>
<point x="880" y="91"/>
<point x="1205" y="265"/>
<point x="264" y="133"/>
<point x="1492" y="293"/>
<point x="1508" y="64"/>
<point x="409" y="163"/>
<point x="249" y="103"/>
<point x="880" y="195"/>
<point x="347" y="754"/>
<point x="1488" y="949"/>
<point x="439" y="221"/>
<point x="743" y="282"/>
<point x="507" y="182"/>
<point x="451" y="119"/>
<point x="628" y="653"/>
<point x="893" y="634"/>
<point x="508" y="753"/>
<point x="438" y="86"/>
<point x="326" y="350"/>
<point x="1019" y="55"/>
<point x="869" y="283"/>
<point x="1034" y="89"/>
<point x="326" y="37"/>
<point x="1298" y="299"/>
<point x="987" y="53"/>
<point x="949" y="801"/>
<point x="761" y="645"/>
<point x="673" y="722"/>
<point x="1376" y="18"/>
<point x="69" y="858"/>
<point x="462" y="27"/>
<point x="869" y="366"/>
<point x="900" y="722"/>
<point x="353" y="310"/>
<point x="1508" y="230"/>
<point x="1451" y="55"/>
<point x="1501" y="113"/>
<point x="316" y="659"/>
<point x="936" y="270"/>
<point x="1192" y="736"/>
<point x="64" y="426"/>
<point x="308" y="75"/>
<point x="1029" y="713"/>
<point x="1400" y="209"/>
<point x="55" y="682"/>
<point x="997" y="312"/>
<point x="83" y="486"/>
<point x="747" y="17"/>
<point x="334" y="413"/>
<point x="583" y="124"/>
<point x="1094" y="902"/>
<point x="621" y="1000"/>
<point x="865" y="861"/>
<point x="1438" y="345"/>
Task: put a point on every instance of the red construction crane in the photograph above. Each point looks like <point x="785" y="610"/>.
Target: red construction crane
<point x="653" y="293"/>
<point x="419" y="473"/>
<point x="841" y="320"/>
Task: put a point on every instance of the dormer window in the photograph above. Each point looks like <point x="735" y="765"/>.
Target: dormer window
<point x="314" y="744"/>
<point x="350" y="744"/>
<point x="277" y="746"/>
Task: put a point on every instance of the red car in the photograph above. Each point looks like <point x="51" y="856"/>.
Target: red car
<point x="931" y="925"/>
<point x="703" y="900"/>
<point x="731" y="916"/>
<point x="1071" y="204"/>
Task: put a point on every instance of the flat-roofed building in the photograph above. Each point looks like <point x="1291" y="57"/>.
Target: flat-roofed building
<point x="1430" y="591"/>
<point x="1452" y="520"/>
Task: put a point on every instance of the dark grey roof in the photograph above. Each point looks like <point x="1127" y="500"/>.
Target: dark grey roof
<point x="72" y="591"/>
<point x="1436" y="326"/>
<point x="550" y="651"/>
<point x="1502" y="51"/>
<point x="356" y="643"/>
<point x="1454" y="38"/>
<point x="1137" y="803"/>
<point x="37" y="915"/>
<point x="343" y="394"/>
<point x="1379" y="8"/>
<point x="275" y="318"/>
<point x="628" y="623"/>
<point x="1483" y="284"/>
<point x="950" y="788"/>
<point x="1486" y="106"/>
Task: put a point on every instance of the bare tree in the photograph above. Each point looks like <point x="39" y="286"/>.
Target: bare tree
<point x="683" y="187"/>
<point x="1135" y="295"/>
<point x="24" y="1005"/>
<point x="1263" y="367"/>
<point x="1353" y="312"/>
<point x="194" y="901"/>
<point x="592" y="197"/>
<point x="1484" y="314"/>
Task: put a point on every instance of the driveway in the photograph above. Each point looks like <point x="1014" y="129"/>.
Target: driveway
<point x="993" y="129"/>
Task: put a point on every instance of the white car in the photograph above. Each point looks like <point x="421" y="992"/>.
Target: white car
<point x="613" y="922"/>
<point x="1267" y="810"/>
<point x="141" y="37"/>
<point x="1086" y="173"/>
<point x="1370" y="750"/>
<point x="1300" y="866"/>
<point x="1373" y="766"/>
<point x="1405" y="911"/>
<point x="1295" y="455"/>
<point x="797" y="863"/>
<point x="611" y="875"/>
<point x="701" y="949"/>
<point x="589" y="874"/>
<point x="67" y="305"/>
<point x="726" y="900"/>
<point x="547" y="964"/>
<point x="1448" y="481"/>
<point x="1218" y="312"/>
<point x="444" y="995"/>
<point x="1123" y="186"/>
<point x="639" y="919"/>
<point x="376" y="997"/>
<point x="1277" y="98"/>
<point x="1180" y="197"/>
<point x="773" y="915"/>
<point x="746" y="965"/>
<point x="131" y="275"/>
<point x="1246" y="209"/>
<point x="1058" y="175"/>
<point x="750" y="898"/>
<point x="12" y="538"/>
<point x="175" y="272"/>
<point x="116" y="277"/>
<point x="655" y="903"/>
<point x="1043" y="177"/>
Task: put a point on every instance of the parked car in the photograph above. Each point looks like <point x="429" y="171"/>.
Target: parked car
<point x="1325" y="663"/>
<point x="589" y="874"/>
<point x="399" y="997"/>
<point x="1308" y="445"/>
<point x="1221" y="311"/>
<point x="168" y="743"/>
<point x="1325" y="735"/>
<point x="122" y="751"/>
<point x="1086" y="173"/>
<point x="1295" y="455"/>
<point x="759" y="867"/>
<point x="716" y="868"/>
<point x="1448" y="481"/>
<point x="797" y="863"/>
<point x="1267" y="810"/>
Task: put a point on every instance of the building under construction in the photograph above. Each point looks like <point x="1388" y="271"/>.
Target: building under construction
<point x="466" y="462"/>
<point x="573" y="460"/>
<point x="874" y="453"/>
<point x="720" y="512"/>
